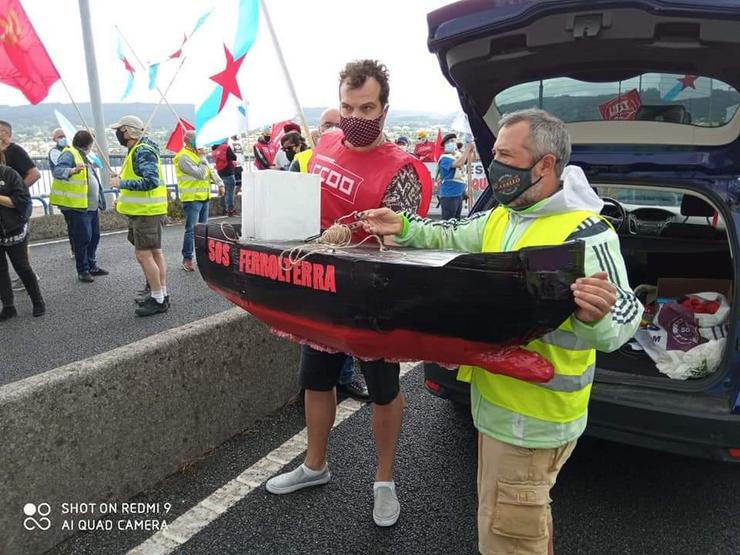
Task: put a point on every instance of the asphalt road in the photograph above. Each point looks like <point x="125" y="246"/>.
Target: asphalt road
<point x="610" y="498"/>
<point x="84" y="319"/>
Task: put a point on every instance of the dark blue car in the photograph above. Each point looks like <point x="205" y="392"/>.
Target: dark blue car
<point x="649" y="90"/>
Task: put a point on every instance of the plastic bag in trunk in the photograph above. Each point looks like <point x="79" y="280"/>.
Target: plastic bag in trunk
<point x="687" y="338"/>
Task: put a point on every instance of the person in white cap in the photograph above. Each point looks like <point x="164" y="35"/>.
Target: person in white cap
<point x="143" y="198"/>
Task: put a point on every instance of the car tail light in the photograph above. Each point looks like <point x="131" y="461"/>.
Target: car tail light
<point x="734" y="453"/>
<point x="434" y="386"/>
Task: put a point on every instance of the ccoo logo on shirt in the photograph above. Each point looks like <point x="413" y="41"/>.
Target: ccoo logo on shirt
<point x="336" y="180"/>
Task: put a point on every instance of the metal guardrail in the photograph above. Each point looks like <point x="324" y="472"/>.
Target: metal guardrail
<point x="41" y="189"/>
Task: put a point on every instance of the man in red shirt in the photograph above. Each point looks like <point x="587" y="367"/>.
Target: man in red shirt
<point x="359" y="169"/>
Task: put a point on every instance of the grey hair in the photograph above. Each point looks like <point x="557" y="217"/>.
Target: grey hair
<point x="547" y="135"/>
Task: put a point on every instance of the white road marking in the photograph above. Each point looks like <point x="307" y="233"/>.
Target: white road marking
<point x="184" y="527"/>
<point x="107" y="233"/>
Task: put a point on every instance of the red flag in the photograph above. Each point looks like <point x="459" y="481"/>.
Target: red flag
<point x="174" y="143"/>
<point x="438" y="146"/>
<point x="277" y="132"/>
<point x="178" y="52"/>
<point x="24" y="62"/>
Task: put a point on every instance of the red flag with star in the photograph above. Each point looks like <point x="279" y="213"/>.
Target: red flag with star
<point x="24" y="62"/>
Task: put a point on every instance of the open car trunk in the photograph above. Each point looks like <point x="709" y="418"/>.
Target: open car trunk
<point x="650" y="93"/>
<point x="669" y="257"/>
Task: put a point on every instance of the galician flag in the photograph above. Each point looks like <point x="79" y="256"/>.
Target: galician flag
<point x="222" y="113"/>
<point x="682" y="87"/>
<point x="248" y="87"/>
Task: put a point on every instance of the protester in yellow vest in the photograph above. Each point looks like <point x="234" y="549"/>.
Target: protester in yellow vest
<point x="194" y="178"/>
<point x="143" y="199"/>
<point x="527" y="431"/>
<point x="77" y="190"/>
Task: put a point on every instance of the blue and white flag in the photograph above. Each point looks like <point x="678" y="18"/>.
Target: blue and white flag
<point x="682" y="87"/>
<point x="248" y="86"/>
<point x="219" y="115"/>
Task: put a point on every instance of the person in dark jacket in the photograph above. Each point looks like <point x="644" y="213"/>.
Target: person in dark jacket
<point x="14" y="207"/>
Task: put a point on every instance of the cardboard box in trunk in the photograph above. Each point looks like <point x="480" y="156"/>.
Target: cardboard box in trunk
<point x="674" y="288"/>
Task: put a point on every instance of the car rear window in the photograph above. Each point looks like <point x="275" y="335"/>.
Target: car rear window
<point x="669" y="97"/>
<point x="641" y="196"/>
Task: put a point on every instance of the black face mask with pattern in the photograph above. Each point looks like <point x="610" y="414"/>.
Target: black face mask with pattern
<point x="120" y="137"/>
<point x="509" y="182"/>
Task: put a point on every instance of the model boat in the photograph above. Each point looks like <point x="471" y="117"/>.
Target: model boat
<point x="400" y="304"/>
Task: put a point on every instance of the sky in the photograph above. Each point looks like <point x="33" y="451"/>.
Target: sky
<point x="317" y="38"/>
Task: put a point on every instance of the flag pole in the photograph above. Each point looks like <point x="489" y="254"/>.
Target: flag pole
<point x="141" y="64"/>
<point x="156" y="108"/>
<point x="286" y="72"/>
<point x="94" y="86"/>
<point x="468" y="190"/>
<point x="103" y="153"/>
<point x="247" y="149"/>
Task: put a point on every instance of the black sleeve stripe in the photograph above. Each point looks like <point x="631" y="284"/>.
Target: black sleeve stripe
<point x="602" y="266"/>
<point x="627" y="306"/>
<point x="448" y="224"/>
<point x="589" y="231"/>
<point x="613" y="274"/>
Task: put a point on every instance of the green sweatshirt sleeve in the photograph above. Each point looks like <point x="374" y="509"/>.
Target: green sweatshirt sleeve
<point x="464" y="235"/>
<point x="617" y="327"/>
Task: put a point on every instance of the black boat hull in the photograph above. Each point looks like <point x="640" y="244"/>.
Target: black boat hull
<point x="395" y="306"/>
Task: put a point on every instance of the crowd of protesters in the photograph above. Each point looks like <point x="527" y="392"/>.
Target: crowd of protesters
<point x="77" y="189"/>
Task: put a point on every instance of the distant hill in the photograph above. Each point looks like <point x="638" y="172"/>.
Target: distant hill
<point x="42" y="115"/>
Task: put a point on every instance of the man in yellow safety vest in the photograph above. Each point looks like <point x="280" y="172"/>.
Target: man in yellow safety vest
<point x="194" y="178"/>
<point x="77" y="190"/>
<point x="527" y="431"/>
<point x="143" y="198"/>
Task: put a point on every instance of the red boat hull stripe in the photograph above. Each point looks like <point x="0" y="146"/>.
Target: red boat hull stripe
<point x="402" y="344"/>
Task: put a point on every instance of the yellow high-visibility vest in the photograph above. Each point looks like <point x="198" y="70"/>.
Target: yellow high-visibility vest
<point x="303" y="158"/>
<point x="141" y="203"/>
<point x="191" y="188"/>
<point x="72" y="192"/>
<point x="565" y="397"/>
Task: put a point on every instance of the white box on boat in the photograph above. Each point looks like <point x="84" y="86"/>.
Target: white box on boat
<point x="280" y="205"/>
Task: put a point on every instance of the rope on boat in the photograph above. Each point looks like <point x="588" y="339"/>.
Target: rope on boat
<point x="337" y="237"/>
<point x="235" y="238"/>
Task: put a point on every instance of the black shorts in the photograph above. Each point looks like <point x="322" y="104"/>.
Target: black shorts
<point x="319" y="371"/>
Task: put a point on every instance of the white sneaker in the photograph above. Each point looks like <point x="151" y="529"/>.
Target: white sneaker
<point x="295" y="480"/>
<point x="386" y="508"/>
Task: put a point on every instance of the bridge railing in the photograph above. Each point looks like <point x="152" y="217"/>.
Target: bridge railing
<point x="42" y="188"/>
